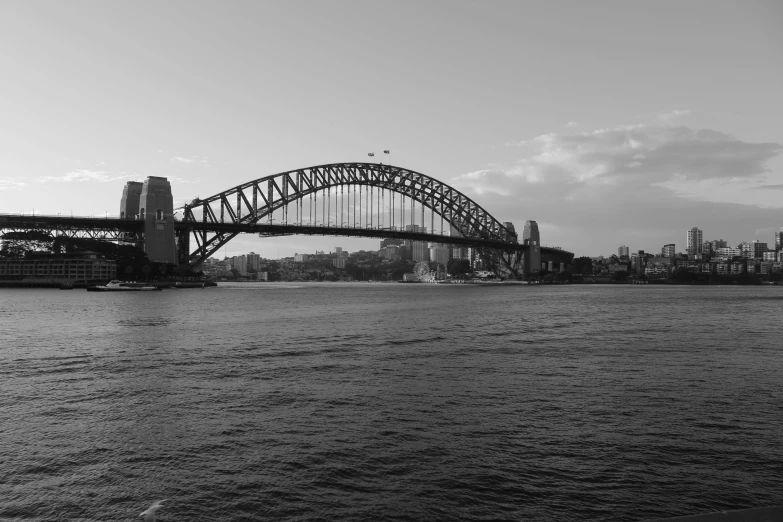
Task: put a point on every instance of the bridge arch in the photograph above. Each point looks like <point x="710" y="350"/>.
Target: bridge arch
<point x="255" y="200"/>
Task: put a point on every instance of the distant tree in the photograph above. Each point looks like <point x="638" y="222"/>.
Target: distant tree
<point x="620" y="275"/>
<point x="235" y="273"/>
<point x="19" y="244"/>
<point x="683" y="275"/>
<point x="582" y="265"/>
<point x="565" y="276"/>
<point x="458" y="267"/>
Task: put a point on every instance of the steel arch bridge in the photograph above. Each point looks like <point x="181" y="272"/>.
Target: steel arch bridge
<point x="216" y="220"/>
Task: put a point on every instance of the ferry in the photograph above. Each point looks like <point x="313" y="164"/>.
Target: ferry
<point x="121" y="286"/>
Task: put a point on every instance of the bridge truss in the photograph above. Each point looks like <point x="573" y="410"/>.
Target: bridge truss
<point x="326" y="196"/>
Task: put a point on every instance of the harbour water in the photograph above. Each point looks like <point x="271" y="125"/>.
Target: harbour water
<point x="390" y="402"/>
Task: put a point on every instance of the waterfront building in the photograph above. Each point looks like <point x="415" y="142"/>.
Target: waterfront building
<point x="723" y="268"/>
<point x="747" y="250"/>
<point x="779" y="240"/>
<point x="339" y="262"/>
<point x="770" y="256"/>
<point x="737" y="268"/>
<point x="693" y="240"/>
<point x="668" y="250"/>
<point x="623" y="251"/>
<point x="727" y="252"/>
<point x="301" y="258"/>
<point x="70" y="267"/>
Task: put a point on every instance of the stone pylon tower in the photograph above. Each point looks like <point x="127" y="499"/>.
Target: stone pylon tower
<point x="129" y="204"/>
<point x="531" y="239"/>
<point x="156" y="209"/>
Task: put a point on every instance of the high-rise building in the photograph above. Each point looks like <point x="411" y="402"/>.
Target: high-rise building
<point x="392" y="241"/>
<point x="779" y="240"/>
<point x="240" y="264"/>
<point x="623" y="251"/>
<point x="439" y="253"/>
<point x="759" y="248"/>
<point x="693" y="240"/>
<point x="668" y="250"/>
<point x="253" y="261"/>
<point x="460" y="252"/>
<point x="418" y="250"/>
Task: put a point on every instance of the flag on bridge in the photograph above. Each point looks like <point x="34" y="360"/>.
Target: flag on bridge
<point x="371" y="154"/>
<point x="386" y="152"/>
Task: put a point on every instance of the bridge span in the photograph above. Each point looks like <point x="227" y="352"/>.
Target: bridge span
<point x="341" y="199"/>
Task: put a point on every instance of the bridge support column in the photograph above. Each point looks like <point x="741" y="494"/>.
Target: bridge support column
<point x="532" y="241"/>
<point x="156" y="209"/>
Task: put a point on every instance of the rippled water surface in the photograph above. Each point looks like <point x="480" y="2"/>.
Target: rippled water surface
<point x="390" y="402"/>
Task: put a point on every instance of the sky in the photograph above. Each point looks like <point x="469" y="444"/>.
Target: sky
<point x="607" y="122"/>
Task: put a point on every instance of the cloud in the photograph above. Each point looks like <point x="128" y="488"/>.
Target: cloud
<point x="180" y="180"/>
<point x="631" y="184"/>
<point x="11" y="184"/>
<point x="651" y="154"/>
<point x="202" y="160"/>
<point x="673" y="115"/>
<point x="571" y="124"/>
<point x="83" y="175"/>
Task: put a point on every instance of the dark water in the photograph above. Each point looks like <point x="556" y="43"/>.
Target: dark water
<point x="390" y="402"/>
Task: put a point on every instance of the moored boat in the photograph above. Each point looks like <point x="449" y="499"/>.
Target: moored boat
<point x="122" y="286"/>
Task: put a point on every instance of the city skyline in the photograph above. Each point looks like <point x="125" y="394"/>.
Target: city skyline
<point x="533" y="124"/>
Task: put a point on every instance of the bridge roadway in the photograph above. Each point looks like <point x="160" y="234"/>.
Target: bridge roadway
<point x="116" y="229"/>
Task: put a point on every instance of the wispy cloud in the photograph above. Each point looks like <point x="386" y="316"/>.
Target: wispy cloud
<point x="673" y="115"/>
<point x="201" y="160"/>
<point x="11" y="184"/>
<point x="770" y="187"/>
<point x="83" y="175"/>
<point x="571" y="124"/>
<point x="181" y="180"/>
<point x="642" y="154"/>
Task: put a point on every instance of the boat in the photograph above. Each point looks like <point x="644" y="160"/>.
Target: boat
<point x="122" y="286"/>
